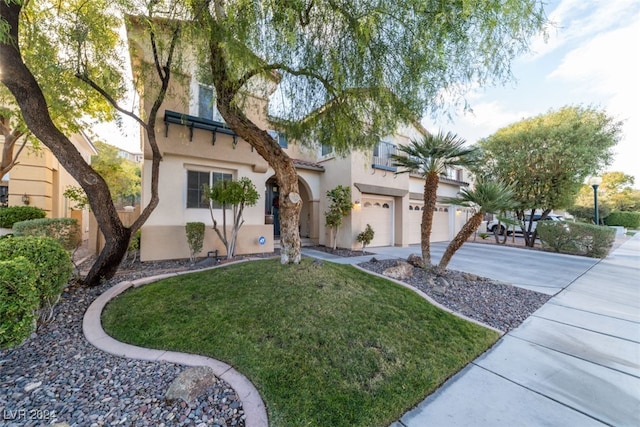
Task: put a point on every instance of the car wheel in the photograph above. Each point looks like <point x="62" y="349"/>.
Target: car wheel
<point x="498" y="229"/>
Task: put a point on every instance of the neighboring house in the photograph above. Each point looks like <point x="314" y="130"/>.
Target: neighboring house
<point x="198" y="148"/>
<point x="39" y="180"/>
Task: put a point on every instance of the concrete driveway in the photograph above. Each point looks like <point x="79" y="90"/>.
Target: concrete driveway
<point x="540" y="271"/>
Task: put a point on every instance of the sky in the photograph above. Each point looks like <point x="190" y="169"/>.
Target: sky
<point x="591" y="58"/>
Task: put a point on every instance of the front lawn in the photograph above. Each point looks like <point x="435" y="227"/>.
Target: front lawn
<point x="325" y="344"/>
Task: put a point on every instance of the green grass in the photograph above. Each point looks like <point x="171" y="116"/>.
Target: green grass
<point x="325" y="345"/>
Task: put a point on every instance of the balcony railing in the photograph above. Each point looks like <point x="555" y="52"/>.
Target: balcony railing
<point x="382" y="156"/>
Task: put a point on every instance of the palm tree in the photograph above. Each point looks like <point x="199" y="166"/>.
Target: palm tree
<point x="486" y="197"/>
<point x="431" y="157"/>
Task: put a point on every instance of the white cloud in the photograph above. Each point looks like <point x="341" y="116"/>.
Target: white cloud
<point x="484" y="120"/>
<point x="605" y="70"/>
<point x="576" y="20"/>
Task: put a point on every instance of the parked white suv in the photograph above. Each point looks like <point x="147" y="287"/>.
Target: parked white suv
<point x="492" y="226"/>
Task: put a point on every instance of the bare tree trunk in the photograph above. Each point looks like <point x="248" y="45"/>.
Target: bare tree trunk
<point x="430" y="197"/>
<point x="286" y="175"/>
<point x="22" y="84"/>
<point x="463" y="235"/>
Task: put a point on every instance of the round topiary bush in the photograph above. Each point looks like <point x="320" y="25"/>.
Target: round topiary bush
<point x="13" y="214"/>
<point x="51" y="261"/>
<point x="18" y="301"/>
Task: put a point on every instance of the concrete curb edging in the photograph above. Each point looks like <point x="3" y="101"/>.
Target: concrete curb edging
<point x="431" y="300"/>
<point x="252" y="404"/>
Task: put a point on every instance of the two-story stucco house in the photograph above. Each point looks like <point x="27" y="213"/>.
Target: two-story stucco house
<point x="198" y="148"/>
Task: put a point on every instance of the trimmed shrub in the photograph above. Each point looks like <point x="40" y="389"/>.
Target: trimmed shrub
<point x="576" y="238"/>
<point x="51" y="260"/>
<point x="630" y="220"/>
<point x="366" y="236"/>
<point x="195" y="238"/>
<point x="65" y="230"/>
<point x="585" y="213"/>
<point x="18" y="301"/>
<point x="13" y="214"/>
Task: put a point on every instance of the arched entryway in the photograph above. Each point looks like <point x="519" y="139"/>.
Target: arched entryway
<point x="272" y="211"/>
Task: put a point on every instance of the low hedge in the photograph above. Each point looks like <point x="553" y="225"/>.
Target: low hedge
<point x="576" y="238"/>
<point x="65" y="230"/>
<point x="630" y="220"/>
<point x="51" y="260"/>
<point x="18" y="301"/>
<point x="13" y="214"/>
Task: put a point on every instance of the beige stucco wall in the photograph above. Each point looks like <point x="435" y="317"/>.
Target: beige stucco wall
<point x="154" y="242"/>
<point x="40" y="176"/>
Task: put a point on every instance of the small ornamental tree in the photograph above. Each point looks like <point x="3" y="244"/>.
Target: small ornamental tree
<point x="339" y="208"/>
<point x="366" y="236"/>
<point x="234" y="195"/>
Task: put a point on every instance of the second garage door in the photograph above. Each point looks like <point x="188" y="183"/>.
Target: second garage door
<point x="440" y="228"/>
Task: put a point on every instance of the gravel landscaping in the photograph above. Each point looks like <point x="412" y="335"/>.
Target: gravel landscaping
<point x="57" y="376"/>
<point x="499" y="305"/>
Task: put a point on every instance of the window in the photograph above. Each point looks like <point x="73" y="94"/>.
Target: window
<point x="196" y="180"/>
<point x="382" y="156"/>
<point x="207" y="104"/>
<point x="455" y="174"/>
<point x="326" y="150"/>
<point x="280" y="137"/>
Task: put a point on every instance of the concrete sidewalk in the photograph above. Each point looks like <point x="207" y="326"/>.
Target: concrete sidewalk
<point x="574" y="362"/>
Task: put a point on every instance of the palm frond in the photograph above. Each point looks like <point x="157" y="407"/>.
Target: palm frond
<point x="434" y="154"/>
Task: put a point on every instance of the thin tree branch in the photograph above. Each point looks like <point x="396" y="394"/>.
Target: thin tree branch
<point x="110" y="99"/>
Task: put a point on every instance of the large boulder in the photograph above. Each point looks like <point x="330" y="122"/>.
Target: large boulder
<point x="191" y="383"/>
<point x="402" y="270"/>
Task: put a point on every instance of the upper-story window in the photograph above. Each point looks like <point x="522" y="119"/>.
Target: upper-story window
<point x="206" y="103"/>
<point x="382" y="156"/>
<point x="196" y="180"/>
<point x="280" y="137"/>
<point x="455" y="174"/>
<point x="326" y="150"/>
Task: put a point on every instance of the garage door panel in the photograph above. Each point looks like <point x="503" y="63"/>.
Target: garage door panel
<point x="439" y="230"/>
<point x="379" y="214"/>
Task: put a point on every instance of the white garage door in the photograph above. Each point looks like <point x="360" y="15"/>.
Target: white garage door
<point x="440" y="228"/>
<point x="415" y="222"/>
<point x="379" y="214"/>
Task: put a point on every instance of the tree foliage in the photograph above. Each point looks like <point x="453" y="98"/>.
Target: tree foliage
<point x="615" y="193"/>
<point x="347" y="73"/>
<point x="340" y="206"/>
<point x="87" y="35"/>
<point x="122" y="176"/>
<point x="48" y="35"/>
<point x="548" y="157"/>
<point x="432" y="157"/>
<point x="235" y="195"/>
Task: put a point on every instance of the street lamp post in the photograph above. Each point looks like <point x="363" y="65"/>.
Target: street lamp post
<point x="595" y="182"/>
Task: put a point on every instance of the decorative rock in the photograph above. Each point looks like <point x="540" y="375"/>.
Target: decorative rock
<point x="191" y="383"/>
<point x="317" y="263"/>
<point x="402" y="270"/>
<point x="415" y="260"/>
<point x="32" y="386"/>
